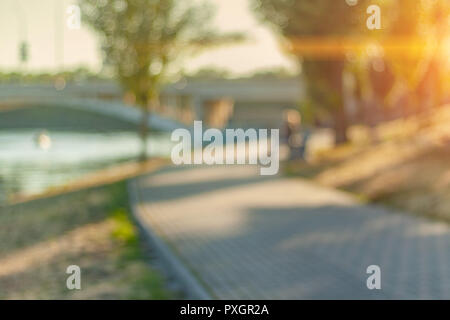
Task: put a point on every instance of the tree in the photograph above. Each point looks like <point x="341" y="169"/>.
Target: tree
<point x="422" y="25"/>
<point x="319" y="21"/>
<point x="143" y="40"/>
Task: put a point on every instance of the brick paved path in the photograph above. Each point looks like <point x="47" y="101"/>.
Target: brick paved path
<point x="250" y="237"/>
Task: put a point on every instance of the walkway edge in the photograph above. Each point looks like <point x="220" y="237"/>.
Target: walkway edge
<point x="191" y="286"/>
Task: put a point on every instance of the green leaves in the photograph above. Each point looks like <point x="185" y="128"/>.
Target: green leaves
<point x="143" y="39"/>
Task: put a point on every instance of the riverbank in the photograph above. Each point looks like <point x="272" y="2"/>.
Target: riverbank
<point x="26" y="168"/>
<point x="408" y="169"/>
<point x="89" y="227"/>
<point x="112" y="174"/>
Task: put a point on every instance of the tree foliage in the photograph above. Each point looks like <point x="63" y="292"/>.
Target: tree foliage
<point x="319" y="19"/>
<point x="143" y="40"/>
<point x="424" y="24"/>
<point x="417" y="26"/>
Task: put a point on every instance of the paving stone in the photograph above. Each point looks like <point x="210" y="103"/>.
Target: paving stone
<point x="253" y="237"/>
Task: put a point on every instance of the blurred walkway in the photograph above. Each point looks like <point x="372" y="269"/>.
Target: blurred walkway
<point x="250" y="237"/>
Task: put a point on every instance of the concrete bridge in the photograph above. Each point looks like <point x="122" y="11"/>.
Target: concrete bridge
<point x="219" y="103"/>
<point x="80" y="107"/>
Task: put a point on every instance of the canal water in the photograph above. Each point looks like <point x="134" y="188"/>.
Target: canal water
<point x="27" y="168"/>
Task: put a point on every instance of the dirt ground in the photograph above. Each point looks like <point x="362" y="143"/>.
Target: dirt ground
<point x="407" y="168"/>
<point x="90" y="228"/>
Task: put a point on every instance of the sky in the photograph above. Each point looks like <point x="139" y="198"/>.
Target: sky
<point x="36" y="21"/>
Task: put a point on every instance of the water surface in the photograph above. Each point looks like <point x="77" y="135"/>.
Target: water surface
<point x="26" y="168"/>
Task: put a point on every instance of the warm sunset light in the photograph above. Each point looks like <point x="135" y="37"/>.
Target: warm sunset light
<point x="233" y="156"/>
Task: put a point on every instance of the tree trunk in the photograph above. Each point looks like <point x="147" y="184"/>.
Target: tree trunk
<point x="143" y="132"/>
<point x="148" y="102"/>
<point x="340" y="126"/>
<point x="334" y="71"/>
<point x="340" y="113"/>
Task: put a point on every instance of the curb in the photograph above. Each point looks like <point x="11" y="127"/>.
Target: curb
<point x="191" y="286"/>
